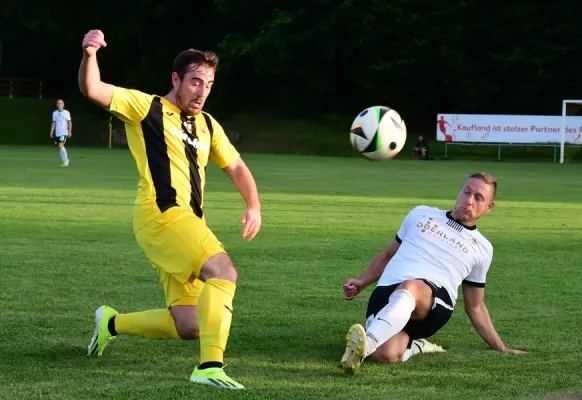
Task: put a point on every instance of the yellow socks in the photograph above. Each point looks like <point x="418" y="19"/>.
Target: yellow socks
<point x="214" y="317"/>
<point x="154" y="324"/>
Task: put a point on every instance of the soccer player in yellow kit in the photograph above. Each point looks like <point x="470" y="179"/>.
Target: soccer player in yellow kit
<point x="172" y="140"/>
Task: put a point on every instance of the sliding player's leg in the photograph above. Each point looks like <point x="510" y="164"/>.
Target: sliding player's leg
<point x="390" y="308"/>
<point x="411" y="300"/>
<point x="393" y="350"/>
<point x="401" y="347"/>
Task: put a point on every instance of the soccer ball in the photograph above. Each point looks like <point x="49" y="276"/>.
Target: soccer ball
<point x="378" y="133"/>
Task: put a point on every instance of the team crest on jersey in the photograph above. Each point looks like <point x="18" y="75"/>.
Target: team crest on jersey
<point x="191" y="139"/>
<point x="187" y="126"/>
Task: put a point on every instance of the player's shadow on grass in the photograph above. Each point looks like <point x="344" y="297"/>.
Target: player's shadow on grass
<point x="64" y="354"/>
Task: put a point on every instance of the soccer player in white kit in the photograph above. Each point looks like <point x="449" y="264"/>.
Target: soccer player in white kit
<point x="433" y="254"/>
<point x="61" y="129"/>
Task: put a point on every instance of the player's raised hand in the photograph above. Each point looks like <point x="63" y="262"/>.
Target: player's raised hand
<point x="93" y="41"/>
<point x="352" y="287"/>
<point x="251" y="220"/>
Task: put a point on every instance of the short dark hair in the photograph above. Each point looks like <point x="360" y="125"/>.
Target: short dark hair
<point x="193" y="56"/>
<point x="487" y="178"/>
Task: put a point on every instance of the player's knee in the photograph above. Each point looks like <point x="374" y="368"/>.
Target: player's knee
<point x="410" y="285"/>
<point x="219" y="266"/>
<point x="187" y="330"/>
<point x="390" y="356"/>
<point x="419" y="289"/>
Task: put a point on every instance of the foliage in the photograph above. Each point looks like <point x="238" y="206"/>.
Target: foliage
<point x="319" y="56"/>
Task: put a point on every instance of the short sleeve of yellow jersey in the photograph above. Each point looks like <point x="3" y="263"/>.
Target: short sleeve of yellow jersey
<point x="222" y="152"/>
<point x="129" y="105"/>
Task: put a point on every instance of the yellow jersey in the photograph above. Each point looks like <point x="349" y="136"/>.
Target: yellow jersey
<point x="171" y="151"/>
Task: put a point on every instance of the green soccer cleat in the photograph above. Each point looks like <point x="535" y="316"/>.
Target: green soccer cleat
<point x="214" y="377"/>
<point x="355" y="349"/>
<point x="101" y="336"/>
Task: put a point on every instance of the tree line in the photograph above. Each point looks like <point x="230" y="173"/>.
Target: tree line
<point x="314" y="57"/>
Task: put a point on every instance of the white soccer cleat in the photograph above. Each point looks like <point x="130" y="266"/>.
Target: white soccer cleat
<point x="425" y="347"/>
<point x="65" y="164"/>
<point x="355" y="349"/>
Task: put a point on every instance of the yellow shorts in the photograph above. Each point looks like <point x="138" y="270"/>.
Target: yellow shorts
<point x="178" y="243"/>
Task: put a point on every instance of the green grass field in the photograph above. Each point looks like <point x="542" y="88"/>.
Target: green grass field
<point x="67" y="248"/>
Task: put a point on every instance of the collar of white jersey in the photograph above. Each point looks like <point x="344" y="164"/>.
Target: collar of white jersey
<point x="471" y="228"/>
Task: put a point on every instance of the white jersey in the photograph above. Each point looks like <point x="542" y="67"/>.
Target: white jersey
<point x="61" y="120"/>
<point x="433" y="246"/>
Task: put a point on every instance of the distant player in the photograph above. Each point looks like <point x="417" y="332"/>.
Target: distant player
<point x="61" y="130"/>
<point x="172" y="140"/>
<point x="434" y="253"/>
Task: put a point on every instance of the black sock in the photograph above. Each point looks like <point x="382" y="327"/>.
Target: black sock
<point x="111" y="326"/>
<point x="210" y="364"/>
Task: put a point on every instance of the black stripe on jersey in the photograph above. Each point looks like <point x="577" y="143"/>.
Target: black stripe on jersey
<point x="192" y="157"/>
<point x="455" y="225"/>
<point x="156" y="148"/>
<point x="474" y="284"/>
<point x="398" y="239"/>
<point x="210" y="130"/>
<point x="209" y="124"/>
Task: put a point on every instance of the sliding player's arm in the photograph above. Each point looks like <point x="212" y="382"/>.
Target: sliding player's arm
<point x="481" y="320"/>
<point x="223" y="154"/>
<point x="474" y="298"/>
<point x="353" y="286"/>
<point x="130" y="106"/>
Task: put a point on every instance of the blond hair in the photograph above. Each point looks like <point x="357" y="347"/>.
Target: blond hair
<point x="487" y="178"/>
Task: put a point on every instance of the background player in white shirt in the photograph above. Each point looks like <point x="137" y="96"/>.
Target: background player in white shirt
<point x="61" y="129"/>
<point x="419" y="274"/>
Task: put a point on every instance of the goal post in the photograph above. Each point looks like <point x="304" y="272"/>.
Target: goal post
<point x="571" y="130"/>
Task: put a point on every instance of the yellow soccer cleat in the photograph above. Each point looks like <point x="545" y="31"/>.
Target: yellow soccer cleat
<point x="355" y="349"/>
<point x="101" y="336"/>
<point x="214" y="377"/>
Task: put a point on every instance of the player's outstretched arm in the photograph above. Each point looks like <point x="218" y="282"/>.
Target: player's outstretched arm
<point x="90" y="82"/>
<point x="479" y="316"/>
<point x="243" y="180"/>
<point x="353" y="286"/>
